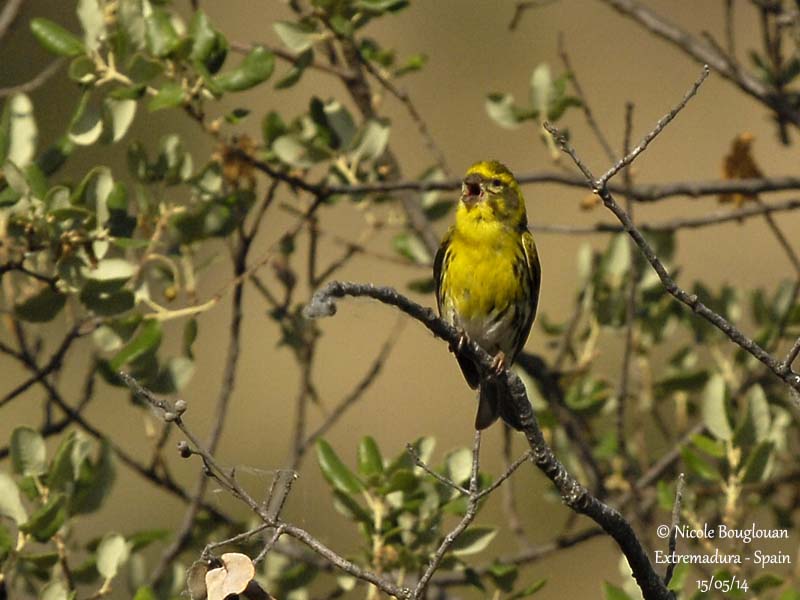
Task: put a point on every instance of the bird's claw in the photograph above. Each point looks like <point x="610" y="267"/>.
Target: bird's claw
<point x="498" y="364"/>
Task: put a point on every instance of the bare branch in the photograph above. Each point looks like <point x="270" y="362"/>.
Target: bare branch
<point x="691" y="300"/>
<point x="572" y="493"/>
<point x="34" y="83"/>
<point x="706" y="54"/>
<point x="184" y="533"/>
<point x="227" y="480"/>
<point x="676" y="517"/>
<point x="587" y="111"/>
<point x="8" y="14"/>
<point x="716" y="218"/>
<point x="440" y="478"/>
<point x="652" y="134"/>
<point x="469" y="516"/>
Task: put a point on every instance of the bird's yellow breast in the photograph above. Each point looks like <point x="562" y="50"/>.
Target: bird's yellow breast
<point x="485" y="265"/>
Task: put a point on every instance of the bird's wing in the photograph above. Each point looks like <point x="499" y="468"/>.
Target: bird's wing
<point x="534" y="281"/>
<point x="438" y="265"/>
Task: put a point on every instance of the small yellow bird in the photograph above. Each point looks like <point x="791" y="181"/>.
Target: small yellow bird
<point x="487" y="278"/>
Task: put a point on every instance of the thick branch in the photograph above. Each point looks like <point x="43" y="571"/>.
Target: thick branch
<point x="572" y="493"/>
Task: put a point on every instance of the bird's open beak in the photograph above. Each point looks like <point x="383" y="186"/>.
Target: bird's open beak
<point x="471" y="193"/>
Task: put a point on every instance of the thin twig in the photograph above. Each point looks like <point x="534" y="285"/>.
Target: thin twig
<point x="630" y="304"/>
<point x="378" y="363"/>
<point x="8" y="14"/>
<point x="673" y="535"/>
<point x="652" y="134"/>
<point x="574" y="495"/>
<point x="227" y="480"/>
<point x="437" y="476"/>
<point x="184" y="533"/>
<point x="35" y="82"/>
<point x="690" y="300"/>
<point x="718" y="218"/>
<point x="523" y="6"/>
<point x="416" y="118"/>
<point x="703" y="53"/>
<point x="510" y="470"/>
<point x="587" y="110"/>
<point x="469" y="516"/>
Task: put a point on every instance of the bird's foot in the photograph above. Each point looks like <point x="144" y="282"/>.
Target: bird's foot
<point x="498" y="364"/>
<point x="462" y="339"/>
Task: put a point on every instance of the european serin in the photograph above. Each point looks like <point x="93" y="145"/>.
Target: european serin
<point x="487" y="278"/>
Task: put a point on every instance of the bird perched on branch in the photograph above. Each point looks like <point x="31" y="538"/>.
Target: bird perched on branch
<point x="487" y="277"/>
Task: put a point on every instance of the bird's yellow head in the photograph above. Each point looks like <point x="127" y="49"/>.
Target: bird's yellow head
<point x="490" y="193"/>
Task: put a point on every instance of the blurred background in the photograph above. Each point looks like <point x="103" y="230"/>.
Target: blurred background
<point x="421" y="393"/>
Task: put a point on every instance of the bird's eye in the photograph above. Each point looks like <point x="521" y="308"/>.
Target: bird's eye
<point x="496" y="183"/>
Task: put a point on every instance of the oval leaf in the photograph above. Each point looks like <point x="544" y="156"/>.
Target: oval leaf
<point x="28" y="453"/>
<point x="714" y="409"/>
<point x="111" y="554"/>
<point x="55" y="38"/>
<point x="370" y="461"/>
<point x="335" y="470"/>
<point x="256" y="67"/>
<point x="10" y="501"/>
<point x="473" y="541"/>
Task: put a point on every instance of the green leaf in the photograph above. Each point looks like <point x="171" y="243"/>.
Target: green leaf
<point x="22" y="131"/>
<point x="294" y="36"/>
<point x="299" y="66"/>
<point x="62" y="473"/>
<point x="501" y="109"/>
<point x="145" y="593"/>
<point x="189" y="337"/>
<point x="755" y="469"/>
<point x="758" y="411"/>
<point x="459" y="465"/>
<point x="94" y="482"/>
<point x="401" y="480"/>
<point x="370" y="461"/>
<point x="10" y="501"/>
<point x="55" y="38"/>
<point x="92" y="19"/>
<point x="612" y="592"/>
<point x="41" y="307"/>
<point x="528" y="590"/>
<point x="145" y="341"/>
<point x="6" y="543"/>
<point x="47" y="520"/>
<point x="112" y="553"/>
<point x="119" y="116"/>
<point x="472" y="541"/>
<point x="503" y="575"/>
<point x="372" y="141"/>
<point x="256" y="67"/>
<point x="679" y="576"/>
<point x="208" y="45"/>
<point x="411" y="247"/>
<point x="169" y="96"/>
<point x="541" y="88"/>
<point x="698" y="465"/>
<point x="351" y="509"/>
<point x="424" y="285"/>
<point x="335" y="471"/>
<point x="55" y="590"/>
<point x="765" y="582"/>
<point x="162" y="39"/>
<point x="86" y="126"/>
<point x="106" y="300"/>
<point x="28" y="452"/>
<point x="714" y="408"/>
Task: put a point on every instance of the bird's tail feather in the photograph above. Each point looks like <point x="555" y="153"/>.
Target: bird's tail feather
<point x="492" y="403"/>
